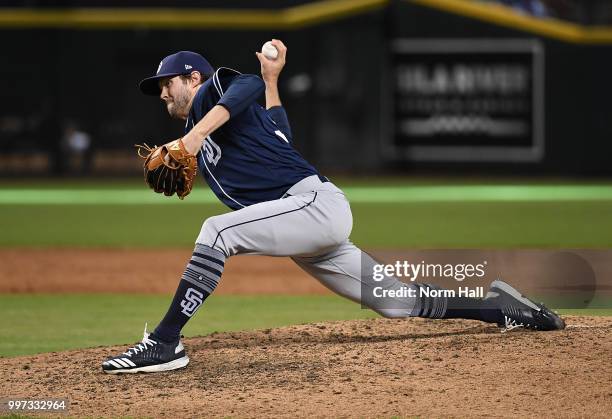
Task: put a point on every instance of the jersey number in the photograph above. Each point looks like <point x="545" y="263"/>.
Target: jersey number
<point x="212" y="150"/>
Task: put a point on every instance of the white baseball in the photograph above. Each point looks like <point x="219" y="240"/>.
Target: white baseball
<point x="269" y="51"/>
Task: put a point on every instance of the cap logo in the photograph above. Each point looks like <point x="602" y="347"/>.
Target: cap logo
<point x="188" y="67"/>
<point x="159" y="68"/>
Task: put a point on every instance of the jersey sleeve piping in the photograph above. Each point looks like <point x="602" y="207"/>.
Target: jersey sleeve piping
<point x="217" y="81"/>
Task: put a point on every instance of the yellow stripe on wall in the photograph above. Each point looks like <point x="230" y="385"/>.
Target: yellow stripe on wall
<point x="506" y="16"/>
<point x="287" y="19"/>
<point x="168" y="18"/>
<point x="318" y="12"/>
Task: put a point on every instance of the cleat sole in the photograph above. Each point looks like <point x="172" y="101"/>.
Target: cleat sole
<point x="168" y="366"/>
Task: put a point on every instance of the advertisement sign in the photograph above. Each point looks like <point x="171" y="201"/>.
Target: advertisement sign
<point x="466" y="100"/>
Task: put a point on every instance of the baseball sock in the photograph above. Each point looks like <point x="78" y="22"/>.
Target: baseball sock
<point x="442" y="307"/>
<point x="472" y="308"/>
<point x="199" y="280"/>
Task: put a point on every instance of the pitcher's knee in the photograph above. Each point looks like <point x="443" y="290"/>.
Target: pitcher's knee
<point x="210" y="234"/>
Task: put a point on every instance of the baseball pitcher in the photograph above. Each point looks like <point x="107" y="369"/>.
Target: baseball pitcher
<point x="282" y="206"/>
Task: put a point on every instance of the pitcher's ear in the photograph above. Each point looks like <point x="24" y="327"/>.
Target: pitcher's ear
<point x="197" y="77"/>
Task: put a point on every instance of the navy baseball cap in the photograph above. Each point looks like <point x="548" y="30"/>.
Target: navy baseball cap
<point x="181" y="63"/>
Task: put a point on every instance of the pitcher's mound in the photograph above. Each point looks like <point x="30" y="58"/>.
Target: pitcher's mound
<point x="367" y="368"/>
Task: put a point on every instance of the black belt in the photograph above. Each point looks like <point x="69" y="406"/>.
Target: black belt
<point x="323" y="179"/>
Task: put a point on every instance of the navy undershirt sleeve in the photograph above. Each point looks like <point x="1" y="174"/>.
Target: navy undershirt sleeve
<point x="279" y="115"/>
<point x="241" y="93"/>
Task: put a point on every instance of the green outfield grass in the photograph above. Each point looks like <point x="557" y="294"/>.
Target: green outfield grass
<point x="384" y="225"/>
<point x="35" y="323"/>
<point x="410" y="215"/>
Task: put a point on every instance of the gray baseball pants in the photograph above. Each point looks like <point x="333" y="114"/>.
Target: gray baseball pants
<point x="311" y="224"/>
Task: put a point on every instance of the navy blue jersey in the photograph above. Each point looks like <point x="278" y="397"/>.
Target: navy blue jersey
<point x="250" y="158"/>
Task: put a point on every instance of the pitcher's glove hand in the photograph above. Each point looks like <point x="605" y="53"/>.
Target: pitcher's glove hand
<point x="169" y="169"/>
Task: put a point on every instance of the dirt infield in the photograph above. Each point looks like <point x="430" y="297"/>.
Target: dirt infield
<point x="141" y="271"/>
<point x="367" y="368"/>
<point x="158" y="270"/>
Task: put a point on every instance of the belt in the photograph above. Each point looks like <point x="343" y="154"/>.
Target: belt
<point x="306" y="185"/>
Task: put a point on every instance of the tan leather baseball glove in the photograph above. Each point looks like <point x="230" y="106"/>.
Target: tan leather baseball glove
<point x="169" y="169"/>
